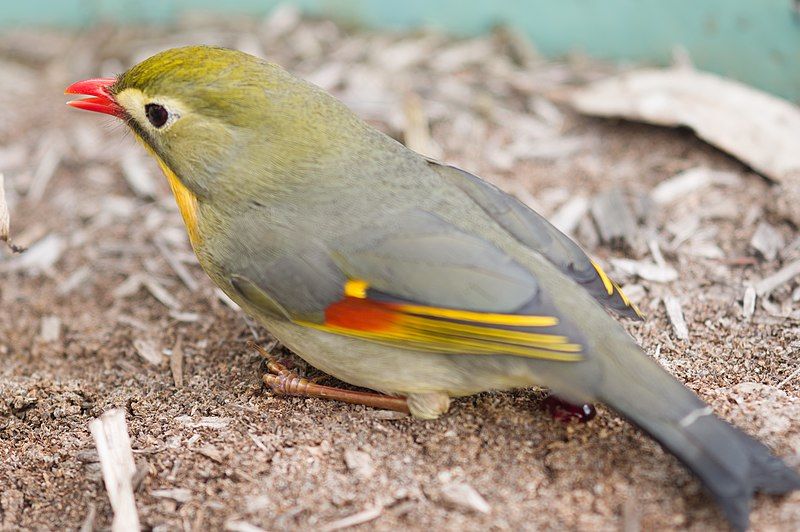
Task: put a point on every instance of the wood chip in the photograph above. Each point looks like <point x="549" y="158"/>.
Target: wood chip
<point x="359" y="462"/>
<point x="570" y="214"/>
<point x="749" y="302"/>
<point x="4" y="216"/>
<point x="177" y="266"/>
<point x="133" y="322"/>
<point x="88" y="521"/>
<point x="211" y="422"/>
<point x="39" y="258"/>
<point x="759" y="129"/>
<point x="210" y="452"/>
<point x="110" y="433"/>
<point x="646" y="270"/>
<point x="365" y="516"/>
<point x="386" y="415"/>
<point x="176" y="363"/>
<point x="136" y="172"/>
<point x="50" y="329"/>
<point x="160" y="293"/>
<point x="782" y="276"/>
<point x="655" y="251"/>
<point x="548" y="111"/>
<point x="184" y="317"/>
<point x="631" y="515"/>
<point x="767" y="240"/>
<point x="222" y="296"/>
<point x="74" y="281"/>
<point x="462" y="495"/>
<point x="129" y="286"/>
<point x="688" y="182"/>
<point x="614" y="219"/>
<point x="675" y="315"/>
<point x="148" y="350"/>
<point x="242" y="526"/>
<point x="181" y="495"/>
<point x="5" y="219"/>
<point x="792" y="376"/>
<point x="258" y="442"/>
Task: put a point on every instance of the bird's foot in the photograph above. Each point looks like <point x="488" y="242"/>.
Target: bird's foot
<point x="283" y="381"/>
<point x="565" y="412"/>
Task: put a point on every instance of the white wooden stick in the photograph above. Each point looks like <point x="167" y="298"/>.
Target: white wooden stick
<point x="110" y="433"/>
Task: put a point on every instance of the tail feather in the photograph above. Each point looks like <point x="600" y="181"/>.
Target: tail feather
<point x="731" y="464"/>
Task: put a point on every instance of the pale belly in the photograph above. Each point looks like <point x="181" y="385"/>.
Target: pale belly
<point x="392" y="370"/>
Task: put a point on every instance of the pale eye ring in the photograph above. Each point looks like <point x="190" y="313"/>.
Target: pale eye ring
<point x="156" y="114"/>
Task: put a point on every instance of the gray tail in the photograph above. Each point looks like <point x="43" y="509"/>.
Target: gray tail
<point x="731" y="464"/>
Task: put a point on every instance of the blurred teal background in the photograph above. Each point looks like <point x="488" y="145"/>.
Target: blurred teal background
<point x="756" y="41"/>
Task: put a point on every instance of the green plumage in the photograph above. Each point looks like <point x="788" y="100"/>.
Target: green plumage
<point x="295" y="195"/>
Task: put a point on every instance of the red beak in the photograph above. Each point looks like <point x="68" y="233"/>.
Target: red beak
<point x="101" y="100"/>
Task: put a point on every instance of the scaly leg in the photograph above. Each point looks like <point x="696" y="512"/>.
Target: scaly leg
<point x="283" y="381"/>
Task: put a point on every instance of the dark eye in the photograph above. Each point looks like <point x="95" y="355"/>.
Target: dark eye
<point x="156" y="114"/>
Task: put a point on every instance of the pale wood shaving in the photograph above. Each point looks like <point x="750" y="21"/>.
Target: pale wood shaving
<point x="689" y="182"/>
<point x="570" y="214"/>
<point x="222" y="296"/>
<point x="110" y="433"/>
<point x="148" y="349"/>
<point x="359" y="462"/>
<point x="242" y="526"/>
<point x="50" y="328"/>
<point x="675" y="315"/>
<point x="88" y="521"/>
<point x="749" y="302"/>
<point x="646" y="270"/>
<point x="176" y="362"/>
<point x="181" y="495"/>
<point x="614" y="219"/>
<point x="364" y="516"/>
<point x="160" y="293"/>
<point x="5" y="220"/>
<point x="462" y="495"/>
<point x="767" y="240"/>
<point x="39" y="258"/>
<point x="75" y="280"/>
<point x="782" y="276"/>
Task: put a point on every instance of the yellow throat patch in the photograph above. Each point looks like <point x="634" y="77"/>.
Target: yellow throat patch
<point x="187" y="203"/>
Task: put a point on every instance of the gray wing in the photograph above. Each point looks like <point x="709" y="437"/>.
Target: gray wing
<point x="414" y="281"/>
<point x="532" y="230"/>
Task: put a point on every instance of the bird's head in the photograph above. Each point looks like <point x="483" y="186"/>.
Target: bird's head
<point x="213" y="115"/>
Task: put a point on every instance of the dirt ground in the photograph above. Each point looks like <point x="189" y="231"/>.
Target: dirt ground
<point x="90" y="314"/>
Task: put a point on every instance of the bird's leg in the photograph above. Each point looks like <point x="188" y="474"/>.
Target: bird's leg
<point x="283" y="381"/>
<point x="565" y="412"/>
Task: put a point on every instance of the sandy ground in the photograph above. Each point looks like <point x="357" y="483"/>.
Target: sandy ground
<point x="217" y="450"/>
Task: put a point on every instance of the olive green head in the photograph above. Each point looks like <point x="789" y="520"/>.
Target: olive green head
<point x="221" y="118"/>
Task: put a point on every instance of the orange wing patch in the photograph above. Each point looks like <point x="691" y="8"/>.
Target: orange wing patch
<point x="444" y="330"/>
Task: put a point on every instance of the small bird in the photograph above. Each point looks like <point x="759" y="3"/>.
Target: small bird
<point x="395" y="272"/>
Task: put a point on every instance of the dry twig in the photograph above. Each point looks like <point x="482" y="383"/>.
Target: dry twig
<point x="110" y="433"/>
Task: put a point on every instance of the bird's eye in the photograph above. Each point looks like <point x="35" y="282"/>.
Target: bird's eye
<point x="156" y="114"/>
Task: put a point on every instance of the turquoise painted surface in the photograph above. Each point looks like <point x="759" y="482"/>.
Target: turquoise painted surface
<point x="757" y="41"/>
